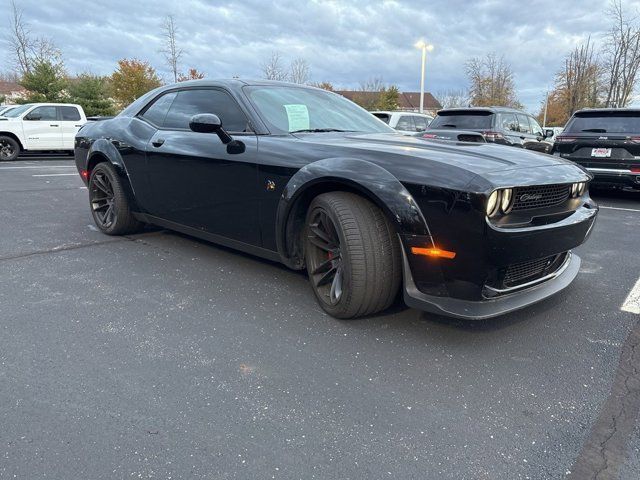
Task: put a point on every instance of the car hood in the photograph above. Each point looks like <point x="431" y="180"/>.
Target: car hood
<point x="456" y="165"/>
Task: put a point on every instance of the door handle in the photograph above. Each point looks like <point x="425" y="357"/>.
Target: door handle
<point x="158" y="143"/>
<point x="54" y="125"/>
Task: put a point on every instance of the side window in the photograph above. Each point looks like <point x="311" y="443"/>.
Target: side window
<point x="535" y="126"/>
<point x="156" y="113"/>
<point x="523" y="121"/>
<point x="69" y="114"/>
<point x="191" y="102"/>
<point x="420" y="122"/>
<point x="509" y="122"/>
<point x="406" y="123"/>
<point x="47" y="113"/>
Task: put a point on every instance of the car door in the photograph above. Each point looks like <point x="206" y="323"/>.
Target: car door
<point x="405" y="124"/>
<point x="41" y="128"/>
<point x="420" y="123"/>
<point x="70" y="123"/>
<point x="529" y="140"/>
<point x="195" y="179"/>
<point x="541" y="144"/>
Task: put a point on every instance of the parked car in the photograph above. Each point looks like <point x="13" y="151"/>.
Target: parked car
<point x="305" y="177"/>
<point x="606" y="142"/>
<point x="6" y="109"/>
<point x="502" y="125"/>
<point x="39" y="127"/>
<point x="405" y="122"/>
<point x="451" y="135"/>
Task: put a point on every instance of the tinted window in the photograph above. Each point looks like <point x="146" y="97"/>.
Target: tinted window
<point x="192" y="102"/>
<point x="464" y="120"/>
<point x="43" y="114"/>
<point x="17" y="111"/>
<point x="406" y="123"/>
<point x="420" y="122"/>
<point x="158" y="110"/>
<point x="70" y="114"/>
<point x="612" y="122"/>
<point x="385" y="117"/>
<point x="535" y="126"/>
<point x="508" y="122"/>
<point x="523" y="121"/>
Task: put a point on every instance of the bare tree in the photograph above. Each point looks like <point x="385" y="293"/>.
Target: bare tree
<point x="492" y="83"/>
<point x="272" y="68"/>
<point x="452" y="98"/>
<point x="19" y="40"/>
<point x="299" y="71"/>
<point x="621" y="56"/>
<point x="580" y="83"/>
<point x="172" y="53"/>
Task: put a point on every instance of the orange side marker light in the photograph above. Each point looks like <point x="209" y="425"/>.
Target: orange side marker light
<point x="433" y="252"/>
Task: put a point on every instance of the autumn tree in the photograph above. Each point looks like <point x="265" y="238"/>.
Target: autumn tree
<point x="579" y="84"/>
<point x="491" y="82"/>
<point x="132" y="79"/>
<point x="621" y="56"/>
<point x="45" y="82"/>
<point x="92" y="93"/>
<point x="323" y="85"/>
<point x="170" y="50"/>
<point x="192" y="74"/>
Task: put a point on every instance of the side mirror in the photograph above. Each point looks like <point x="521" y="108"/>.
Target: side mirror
<point x="209" y="123"/>
<point x="548" y="133"/>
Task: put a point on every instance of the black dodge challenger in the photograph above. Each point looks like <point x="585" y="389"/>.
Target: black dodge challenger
<point x="305" y="177"/>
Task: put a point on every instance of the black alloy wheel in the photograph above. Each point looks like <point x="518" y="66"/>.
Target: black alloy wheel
<point x="102" y="200"/>
<point x="352" y="254"/>
<point x="9" y="149"/>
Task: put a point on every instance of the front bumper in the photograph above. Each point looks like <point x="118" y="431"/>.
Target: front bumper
<point x="490" y="307"/>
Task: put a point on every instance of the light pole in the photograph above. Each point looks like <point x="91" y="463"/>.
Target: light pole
<point x="424" y="46"/>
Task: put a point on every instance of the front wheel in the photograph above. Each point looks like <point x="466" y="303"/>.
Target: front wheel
<point x="352" y="255"/>
<point x="9" y="149"/>
<point x="109" y="203"/>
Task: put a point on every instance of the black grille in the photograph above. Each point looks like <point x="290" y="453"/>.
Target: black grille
<point x="540" y="196"/>
<point x="523" y="272"/>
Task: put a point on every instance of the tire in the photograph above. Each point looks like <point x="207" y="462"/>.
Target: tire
<point x="9" y="149"/>
<point x="109" y="203"/>
<point x="352" y="254"/>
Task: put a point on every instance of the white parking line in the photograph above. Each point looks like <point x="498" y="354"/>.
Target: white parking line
<point x="38" y="167"/>
<point x="632" y="303"/>
<point x="620" y="208"/>
<point x="56" y="175"/>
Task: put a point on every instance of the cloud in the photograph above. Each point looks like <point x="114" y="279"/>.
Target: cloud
<point x="345" y="42"/>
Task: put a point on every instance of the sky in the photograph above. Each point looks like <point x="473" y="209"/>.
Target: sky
<point x="345" y="42"/>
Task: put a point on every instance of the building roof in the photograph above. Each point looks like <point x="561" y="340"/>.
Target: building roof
<point x="406" y="100"/>
<point x="7" y="88"/>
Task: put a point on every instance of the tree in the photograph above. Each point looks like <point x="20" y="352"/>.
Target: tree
<point x="369" y="93"/>
<point x="621" y="56"/>
<point x="579" y="84"/>
<point x="452" y="98"/>
<point x="45" y="82"/>
<point x="491" y="82"/>
<point x="388" y="99"/>
<point x="299" y="71"/>
<point x="172" y="53"/>
<point x="557" y="115"/>
<point x="323" y="85"/>
<point x="92" y="93"/>
<point x="193" y="74"/>
<point x="272" y="68"/>
<point x="132" y="79"/>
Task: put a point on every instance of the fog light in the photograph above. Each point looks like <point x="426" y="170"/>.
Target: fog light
<point x="493" y="203"/>
<point x="505" y="203"/>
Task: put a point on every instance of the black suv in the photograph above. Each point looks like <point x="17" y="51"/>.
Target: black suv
<point x="606" y="142"/>
<point x="503" y="125"/>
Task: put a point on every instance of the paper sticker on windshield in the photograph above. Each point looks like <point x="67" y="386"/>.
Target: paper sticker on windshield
<point x="298" y="116"/>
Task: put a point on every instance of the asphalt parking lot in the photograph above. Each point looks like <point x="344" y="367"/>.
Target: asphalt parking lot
<point x="161" y="356"/>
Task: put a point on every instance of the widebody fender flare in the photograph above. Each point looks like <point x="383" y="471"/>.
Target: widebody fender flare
<point x="361" y="176"/>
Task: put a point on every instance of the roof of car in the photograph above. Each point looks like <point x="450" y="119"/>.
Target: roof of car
<point x="494" y="109"/>
<point x="607" y="110"/>
<point x="389" y="112"/>
<point x="233" y="82"/>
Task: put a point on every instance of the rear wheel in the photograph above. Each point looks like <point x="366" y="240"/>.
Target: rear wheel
<point x="109" y="203"/>
<point x="352" y="255"/>
<point x="9" y="148"/>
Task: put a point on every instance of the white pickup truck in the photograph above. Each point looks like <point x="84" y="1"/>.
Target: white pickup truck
<point x="40" y="127"/>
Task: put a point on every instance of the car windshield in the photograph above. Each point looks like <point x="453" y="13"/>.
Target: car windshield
<point x="462" y="120"/>
<point x="16" y="112"/>
<point x="613" y="122"/>
<point x="297" y="109"/>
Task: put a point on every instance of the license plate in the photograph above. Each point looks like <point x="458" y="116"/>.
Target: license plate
<point x="601" y="152"/>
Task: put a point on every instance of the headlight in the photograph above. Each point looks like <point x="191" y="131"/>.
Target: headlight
<point x="505" y="203"/>
<point x="493" y="203"/>
<point x="582" y="186"/>
<point x="574" y="189"/>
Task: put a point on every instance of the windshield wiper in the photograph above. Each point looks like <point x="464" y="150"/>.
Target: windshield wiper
<point x="595" y="130"/>
<point x="320" y="130"/>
